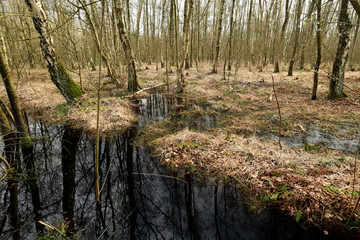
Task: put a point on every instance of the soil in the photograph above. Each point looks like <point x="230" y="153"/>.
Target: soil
<point x="316" y="185"/>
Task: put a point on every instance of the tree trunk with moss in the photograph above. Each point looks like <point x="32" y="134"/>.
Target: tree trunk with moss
<point x="26" y="144"/>
<point x="9" y="137"/>
<point x="336" y="89"/>
<point x="133" y="84"/>
<point x="61" y="78"/>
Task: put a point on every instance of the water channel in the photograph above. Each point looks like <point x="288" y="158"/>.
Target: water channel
<point x="139" y="199"/>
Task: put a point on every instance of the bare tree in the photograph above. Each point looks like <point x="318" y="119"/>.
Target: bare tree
<point x="133" y="84"/>
<point x="60" y="77"/>
<point x="26" y="143"/>
<point x="296" y="36"/>
<point x="336" y="89"/>
<point x="105" y="57"/>
<point x="231" y="33"/>
<point x="190" y="4"/>
<point x="218" y="35"/>
<point x="318" y="58"/>
<point x="280" y="42"/>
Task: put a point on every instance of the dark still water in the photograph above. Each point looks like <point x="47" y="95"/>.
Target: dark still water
<point x="139" y="199"/>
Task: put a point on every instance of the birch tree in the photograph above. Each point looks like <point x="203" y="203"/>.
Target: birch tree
<point x="336" y="89"/>
<point x="187" y="20"/>
<point x="59" y="75"/>
<point x="318" y="58"/>
<point x="280" y="42"/>
<point x="26" y="143"/>
<point x="133" y="84"/>
<point x="218" y="36"/>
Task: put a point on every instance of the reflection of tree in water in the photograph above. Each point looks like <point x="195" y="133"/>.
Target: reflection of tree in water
<point x="138" y="200"/>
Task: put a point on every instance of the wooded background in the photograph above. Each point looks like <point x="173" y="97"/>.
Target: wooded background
<point x="250" y="35"/>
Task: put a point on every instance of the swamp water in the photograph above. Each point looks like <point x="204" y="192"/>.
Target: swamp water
<point x="139" y="199"/>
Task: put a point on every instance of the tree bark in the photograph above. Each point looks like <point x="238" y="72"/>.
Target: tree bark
<point x="26" y="144"/>
<point x="296" y="37"/>
<point x="186" y="43"/>
<point x="218" y="36"/>
<point x="97" y="40"/>
<point x="248" y="45"/>
<point x="137" y="39"/>
<point x="336" y="89"/>
<point x="60" y="77"/>
<point x="283" y="30"/>
<point x="9" y="137"/>
<point x="356" y="6"/>
<point x="318" y="59"/>
<point x="351" y="59"/>
<point x="133" y="84"/>
<point x="69" y="144"/>
<point x="231" y="34"/>
<point x="307" y="31"/>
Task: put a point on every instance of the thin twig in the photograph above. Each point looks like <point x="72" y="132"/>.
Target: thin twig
<point x="144" y="89"/>
<point x="331" y="76"/>
<point x="160" y="175"/>
<point x="278" y="106"/>
<point x="354" y="181"/>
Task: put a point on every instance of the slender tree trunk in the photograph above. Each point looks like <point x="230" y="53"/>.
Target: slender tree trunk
<point x="218" y="36"/>
<point x="104" y="56"/>
<point x="68" y="88"/>
<point x="9" y="137"/>
<point x="213" y="33"/>
<point x="137" y="40"/>
<point x="133" y="84"/>
<point x="336" y="89"/>
<point x="356" y="6"/>
<point x="162" y="33"/>
<point x="318" y="59"/>
<point x="26" y="144"/>
<point x="307" y="30"/>
<point x="248" y="45"/>
<point x="296" y="37"/>
<point x="147" y="32"/>
<point x="69" y="144"/>
<point x="231" y="34"/>
<point x="186" y="3"/>
<point x="283" y="30"/>
<point x="186" y="43"/>
<point x="128" y="16"/>
<point x="354" y="44"/>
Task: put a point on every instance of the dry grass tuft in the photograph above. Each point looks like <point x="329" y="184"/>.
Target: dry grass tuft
<point x="319" y="184"/>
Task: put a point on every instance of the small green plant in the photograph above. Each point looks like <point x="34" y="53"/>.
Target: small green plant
<point x="53" y="232"/>
<point x="298" y="215"/>
<point x="230" y="91"/>
<point x="85" y="103"/>
<point x="191" y="168"/>
<point x="62" y="108"/>
<point x="331" y="189"/>
<point x="228" y="137"/>
<point x="309" y="148"/>
<point x="202" y="101"/>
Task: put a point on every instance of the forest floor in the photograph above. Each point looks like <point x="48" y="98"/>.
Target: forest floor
<point x="314" y="184"/>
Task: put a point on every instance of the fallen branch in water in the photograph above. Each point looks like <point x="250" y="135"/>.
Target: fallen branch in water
<point x="145" y="89"/>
